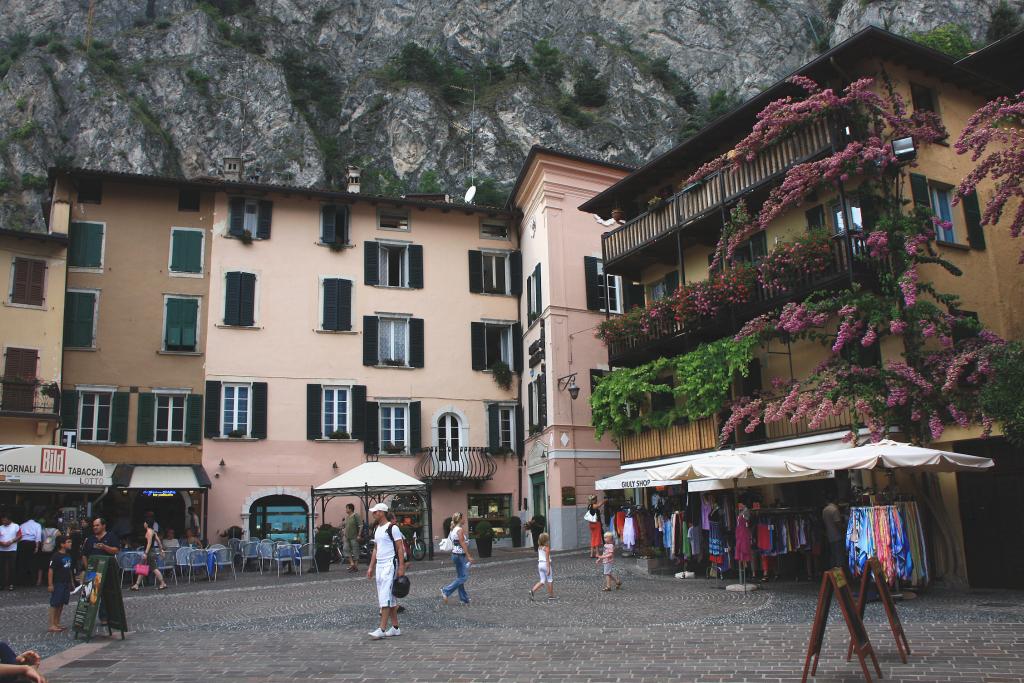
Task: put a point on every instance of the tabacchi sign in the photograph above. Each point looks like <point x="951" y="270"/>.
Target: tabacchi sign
<point x="39" y="466"/>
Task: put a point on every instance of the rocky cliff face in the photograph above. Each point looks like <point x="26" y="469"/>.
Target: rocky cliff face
<point x="302" y="87"/>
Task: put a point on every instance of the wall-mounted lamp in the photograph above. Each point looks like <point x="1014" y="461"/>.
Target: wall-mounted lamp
<point x="568" y="383"/>
<point x="334" y="466"/>
<point x="904" y="149"/>
<point x="221" y="463"/>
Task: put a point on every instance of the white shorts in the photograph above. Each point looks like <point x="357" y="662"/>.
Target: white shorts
<point x="544" y="573"/>
<point x="385" y="575"/>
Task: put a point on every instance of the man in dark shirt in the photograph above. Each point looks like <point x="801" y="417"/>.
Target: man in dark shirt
<point x="102" y="542"/>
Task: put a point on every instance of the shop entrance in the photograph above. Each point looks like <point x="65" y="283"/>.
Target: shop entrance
<point x="989" y="510"/>
<point x="278" y="518"/>
<point x="540" y="497"/>
<point x="168" y="507"/>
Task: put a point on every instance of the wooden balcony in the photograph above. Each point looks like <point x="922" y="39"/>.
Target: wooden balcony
<point x="696" y="201"/>
<point x="849" y="263"/>
<point x="679" y="439"/>
<point x="21" y="398"/>
<point x="465" y="463"/>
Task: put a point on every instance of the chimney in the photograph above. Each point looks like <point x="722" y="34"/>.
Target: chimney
<point x="353" y="179"/>
<point x="232" y="169"/>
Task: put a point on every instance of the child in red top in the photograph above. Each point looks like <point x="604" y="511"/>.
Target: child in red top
<point x="606" y="559"/>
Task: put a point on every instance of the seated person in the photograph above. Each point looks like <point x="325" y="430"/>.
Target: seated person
<point x="172" y="540"/>
<point x="192" y="539"/>
<point x="23" y="667"/>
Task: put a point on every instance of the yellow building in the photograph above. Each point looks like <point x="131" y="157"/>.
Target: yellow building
<point x="672" y="231"/>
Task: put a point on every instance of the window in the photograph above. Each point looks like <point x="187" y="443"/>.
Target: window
<point x="335" y="411"/>
<point x="753" y="250"/>
<point x="494" y="508"/>
<point x="334" y="221"/>
<point x="614" y="289"/>
<point x="659" y="290"/>
<point x="534" y="301"/>
<point x="534" y="396"/>
<point x="240" y="299"/>
<point x="392" y="428"/>
<point x="923" y="98"/>
<point x="80" y="319"/>
<point x="497" y="344"/>
<point x="449" y="436"/>
<point x="815" y="217"/>
<point x="506" y="427"/>
<point x="235" y="411"/>
<point x="188" y="200"/>
<point x="942" y="206"/>
<point x="838" y="220"/>
<point x="495" y="272"/>
<point x="85" y="246"/>
<point x="27" y="282"/>
<point x="253" y="216"/>
<point x="19" y="379"/>
<point x="94" y="416"/>
<point x="90" y="191"/>
<point x="494" y="229"/>
<point x="393" y="219"/>
<point x="393" y="264"/>
<point x="392" y="339"/>
<point x="170" y="418"/>
<point x="181" y="323"/>
<point x="336" y="314"/>
<point x="186" y="250"/>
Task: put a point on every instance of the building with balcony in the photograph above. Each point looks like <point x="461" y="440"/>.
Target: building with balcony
<point x="562" y="305"/>
<point x="667" y="243"/>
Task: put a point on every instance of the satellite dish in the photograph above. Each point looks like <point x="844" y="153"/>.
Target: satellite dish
<point x="470" y="193"/>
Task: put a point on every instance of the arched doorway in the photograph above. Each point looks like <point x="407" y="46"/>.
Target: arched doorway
<point x="278" y="518"/>
<point x="449" y="441"/>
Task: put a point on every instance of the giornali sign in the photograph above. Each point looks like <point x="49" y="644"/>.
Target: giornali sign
<point x="50" y="466"/>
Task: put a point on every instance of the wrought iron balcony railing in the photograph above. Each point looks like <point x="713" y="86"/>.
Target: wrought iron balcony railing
<point x="21" y="397"/>
<point x="460" y="463"/>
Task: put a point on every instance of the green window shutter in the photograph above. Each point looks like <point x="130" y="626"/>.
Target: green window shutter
<point x="371" y="428"/>
<point x="94" y="245"/>
<point x="212" y="412"/>
<point x="119" y="417"/>
<point x="671" y="280"/>
<point x="815" y="217"/>
<point x="328" y="224"/>
<point x="868" y="212"/>
<point x="542" y="400"/>
<point x="314" y="411"/>
<point x="478" y="355"/>
<point x="341" y="223"/>
<point x="476" y="272"/>
<point x="493" y="425"/>
<point x="144" y="420"/>
<point x="263" y="217"/>
<point x="517" y="347"/>
<point x="344" y="305"/>
<point x="371" y="263"/>
<point x="69" y="409"/>
<point x="247" y="300"/>
<point x="758" y="250"/>
<point x="538" y="291"/>
<point x="180" y="334"/>
<point x="416" y="266"/>
<point x="530" y="315"/>
<point x="79" y="309"/>
<point x="258" y="429"/>
<point x="516" y="272"/>
<point x="85" y="248"/>
<point x="330" y="312"/>
<point x="972" y="216"/>
<point x="370" y="340"/>
<point x="189" y="309"/>
<point x="187" y="251"/>
<point x="194" y="418"/>
<point x="416" y="342"/>
<point x="358" y="411"/>
<point x="520" y="429"/>
<point x="236" y="216"/>
<point x="633" y="294"/>
<point x="232" y="294"/>
<point x="415" y="437"/>
<point x="919" y="190"/>
<point x="593" y="283"/>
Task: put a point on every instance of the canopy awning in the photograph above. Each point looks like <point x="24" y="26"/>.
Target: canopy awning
<point x="726" y="465"/>
<point x="888" y="454"/>
<point x="51" y="468"/>
<point x="161" y="477"/>
<point x="370" y="476"/>
<point x="632" y="479"/>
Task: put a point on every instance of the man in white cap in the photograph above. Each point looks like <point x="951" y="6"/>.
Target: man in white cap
<point x="388" y="555"/>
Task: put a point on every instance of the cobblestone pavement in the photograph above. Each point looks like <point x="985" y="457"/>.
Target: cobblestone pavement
<point x="655" y="629"/>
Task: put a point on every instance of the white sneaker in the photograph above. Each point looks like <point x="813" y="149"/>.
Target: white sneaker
<point x="392" y="632"/>
<point x="378" y="634"/>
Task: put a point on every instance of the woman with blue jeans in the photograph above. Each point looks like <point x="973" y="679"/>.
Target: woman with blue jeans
<point x="461" y="559"/>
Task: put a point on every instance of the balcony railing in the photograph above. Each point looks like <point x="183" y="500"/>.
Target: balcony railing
<point x="725" y="186"/>
<point x="20" y="397"/>
<point x="465" y="463"/>
<point x="699" y="436"/>
<point x="848" y="263"/>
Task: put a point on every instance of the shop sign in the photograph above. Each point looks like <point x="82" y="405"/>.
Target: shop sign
<point x="636" y="483"/>
<point x="159" y="493"/>
<point x="51" y="465"/>
<point x="568" y="495"/>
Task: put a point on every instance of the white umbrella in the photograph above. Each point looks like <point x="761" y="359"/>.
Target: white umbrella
<point x="632" y="479"/>
<point x="890" y="454"/>
<point x="725" y="465"/>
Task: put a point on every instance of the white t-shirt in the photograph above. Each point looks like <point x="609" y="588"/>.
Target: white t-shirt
<point x="31" y="531"/>
<point x="9" y="533"/>
<point x="385" y="548"/>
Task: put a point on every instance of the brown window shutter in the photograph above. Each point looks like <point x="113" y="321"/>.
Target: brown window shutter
<point x="19" y="292"/>
<point x="20" y="364"/>
<point x="36" y="277"/>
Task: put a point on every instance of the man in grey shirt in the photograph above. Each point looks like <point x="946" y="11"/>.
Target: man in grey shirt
<point x="835" y="532"/>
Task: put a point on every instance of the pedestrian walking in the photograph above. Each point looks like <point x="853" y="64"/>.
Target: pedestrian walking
<point x="28" y="548"/>
<point x="10" y="534"/>
<point x="58" y="581"/>
<point x="353" y="529"/>
<point x="593" y="519"/>
<point x="607" y="562"/>
<point x="151" y="555"/>
<point x="386" y="562"/>
<point x="544" y="568"/>
<point x="460" y="558"/>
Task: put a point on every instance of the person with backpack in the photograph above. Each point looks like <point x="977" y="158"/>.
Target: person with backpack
<point x="49" y="545"/>
<point x="458" y="545"/>
<point x="386" y="563"/>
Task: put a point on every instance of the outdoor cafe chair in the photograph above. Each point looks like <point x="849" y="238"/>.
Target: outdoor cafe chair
<point x="236" y="547"/>
<point x="167" y="561"/>
<point x="126" y="561"/>
<point x="222" y="558"/>
<point x="265" y="553"/>
<point x="307" y="560"/>
<point x="282" y="553"/>
<point x="197" y="560"/>
<point x="181" y="559"/>
<point x="250" y="553"/>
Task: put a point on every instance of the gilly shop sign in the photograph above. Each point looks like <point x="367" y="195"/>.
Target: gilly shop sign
<point x="51" y="465"/>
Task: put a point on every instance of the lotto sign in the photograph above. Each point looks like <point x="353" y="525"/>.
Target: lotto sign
<point x="52" y="461"/>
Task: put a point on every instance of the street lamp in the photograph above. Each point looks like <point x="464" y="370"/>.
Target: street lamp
<point x="904" y="149"/>
<point x="568" y="383"/>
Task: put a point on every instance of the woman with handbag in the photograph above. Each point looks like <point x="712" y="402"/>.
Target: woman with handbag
<point x="593" y="518"/>
<point x="458" y="545"/>
<point x="149" y="563"/>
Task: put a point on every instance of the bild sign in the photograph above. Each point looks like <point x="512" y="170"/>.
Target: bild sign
<point x="41" y="466"/>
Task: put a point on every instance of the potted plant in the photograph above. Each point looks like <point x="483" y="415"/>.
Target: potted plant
<point x="484" y="536"/>
<point x="322" y="552"/>
<point x="50" y="390"/>
<point x="515" y="530"/>
<point x="499" y="450"/>
<point x="502" y="374"/>
<point x="236" y="434"/>
<point x="338" y="434"/>
<point x="393" y="448"/>
<point x="392" y="362"/>
<point x="245" y="236"/>
<point x="337" y="246"/>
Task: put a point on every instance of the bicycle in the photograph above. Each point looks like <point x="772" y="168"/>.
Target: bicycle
<point x="418" y="549"/>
